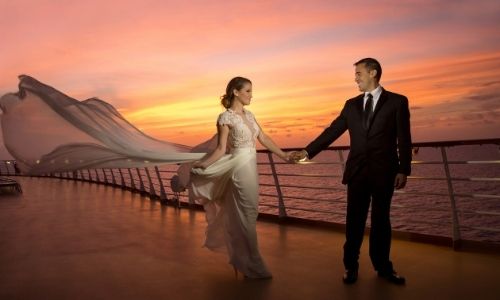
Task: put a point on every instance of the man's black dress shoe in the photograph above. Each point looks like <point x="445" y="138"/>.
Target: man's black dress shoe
<point x="350" y="276"/>
<point x="393" y="277"/>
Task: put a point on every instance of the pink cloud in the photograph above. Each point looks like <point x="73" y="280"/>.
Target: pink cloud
<point x="151" y="58"/>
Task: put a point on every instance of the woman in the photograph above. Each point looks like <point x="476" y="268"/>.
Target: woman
<point x="227" y="184"/>
<point x="92" y="134"/>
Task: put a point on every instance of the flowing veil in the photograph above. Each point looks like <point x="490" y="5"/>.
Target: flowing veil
<point x="48" y="131"/>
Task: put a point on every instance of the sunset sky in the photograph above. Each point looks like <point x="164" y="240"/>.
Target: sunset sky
<point x="164" y="64"/>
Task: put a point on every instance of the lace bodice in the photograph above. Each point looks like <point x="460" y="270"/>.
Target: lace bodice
<point x="243" y="131"/>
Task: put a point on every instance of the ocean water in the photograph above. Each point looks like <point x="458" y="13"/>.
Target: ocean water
<point x="424" y="206"/>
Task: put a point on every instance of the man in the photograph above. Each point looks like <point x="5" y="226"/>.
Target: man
<point x="378" y="122"/>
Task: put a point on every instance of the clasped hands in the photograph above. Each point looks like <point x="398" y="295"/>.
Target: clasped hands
<point x="296" y="156"/>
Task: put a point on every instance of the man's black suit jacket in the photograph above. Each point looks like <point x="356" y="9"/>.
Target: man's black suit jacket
<point x="378" y="147"/>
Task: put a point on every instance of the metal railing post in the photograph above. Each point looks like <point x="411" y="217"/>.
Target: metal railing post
<point x="281" y="203"/>
<point x="142" y="189"/>
<point x="454" y="214"/>
<point x="122" y="178"/>
<point x="7" y="169"/>
<point x="97" y="178"/>
<point x="132" y="182"/>
<point x="113" y="180"/>
<point x="163" y="194"/>
<point x="341" y="159"/>
<point x="105" y="175"/>
<point x="152" y="192"/>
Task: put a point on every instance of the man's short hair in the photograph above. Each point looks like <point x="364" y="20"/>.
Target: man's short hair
<point x="371" y="64"/>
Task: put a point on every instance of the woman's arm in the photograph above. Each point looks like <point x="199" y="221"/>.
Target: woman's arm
<point x="218" y="152"/>
<point x="267" y="142"/>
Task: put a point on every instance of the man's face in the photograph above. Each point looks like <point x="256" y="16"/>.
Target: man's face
<point x="365" y="78"/>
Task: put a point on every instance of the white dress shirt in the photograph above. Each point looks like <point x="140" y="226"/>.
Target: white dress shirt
<point x="376" y="95"/>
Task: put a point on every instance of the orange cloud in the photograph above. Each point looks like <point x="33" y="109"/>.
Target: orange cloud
<point x="164" y="64"/>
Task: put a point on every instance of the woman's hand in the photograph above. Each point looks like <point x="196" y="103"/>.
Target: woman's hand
<point x="199" y="164"/>
<point x="286" y="156"/>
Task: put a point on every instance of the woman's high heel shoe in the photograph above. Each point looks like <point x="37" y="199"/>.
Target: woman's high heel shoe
<point x="235" y="272"/>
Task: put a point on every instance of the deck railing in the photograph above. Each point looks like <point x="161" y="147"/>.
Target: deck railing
<point x="289" y="192"/>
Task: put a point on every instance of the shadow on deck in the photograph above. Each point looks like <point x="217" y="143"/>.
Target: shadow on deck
<point x="75" y="240"/>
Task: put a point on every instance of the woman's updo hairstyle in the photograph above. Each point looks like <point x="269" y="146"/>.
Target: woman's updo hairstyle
<point x="236" y="83"/>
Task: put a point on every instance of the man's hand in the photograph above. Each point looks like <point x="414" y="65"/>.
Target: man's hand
<point x="400" y="181"/>
<point x="296" y="156"/>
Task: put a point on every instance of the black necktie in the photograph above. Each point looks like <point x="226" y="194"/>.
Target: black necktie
<point x="368" y="112"/>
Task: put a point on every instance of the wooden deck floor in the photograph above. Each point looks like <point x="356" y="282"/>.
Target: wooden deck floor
<point x="73" y="240"/>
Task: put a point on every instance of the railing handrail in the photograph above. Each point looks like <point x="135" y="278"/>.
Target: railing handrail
<point x="495" y="141"/>
<point x="450" y="143"/>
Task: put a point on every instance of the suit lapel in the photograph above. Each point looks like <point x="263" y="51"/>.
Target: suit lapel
<point x="359" y="105"/>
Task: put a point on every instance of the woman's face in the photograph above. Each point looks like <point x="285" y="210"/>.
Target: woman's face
<point x="244" y="95"/>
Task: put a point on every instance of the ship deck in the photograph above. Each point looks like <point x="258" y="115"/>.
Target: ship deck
<point x="65" y="239"/>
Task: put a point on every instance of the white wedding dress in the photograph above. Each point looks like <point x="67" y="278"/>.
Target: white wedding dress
<point x="47" y="131"/>
<point x="229" y="192"/>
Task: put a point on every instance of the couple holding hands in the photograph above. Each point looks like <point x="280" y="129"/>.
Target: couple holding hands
<point x="379" y="160"/>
